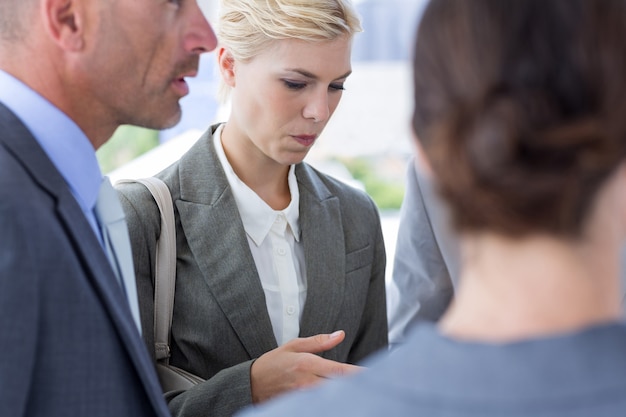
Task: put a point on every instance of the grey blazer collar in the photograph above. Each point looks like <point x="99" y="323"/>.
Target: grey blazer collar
<point x="209" y="218"/>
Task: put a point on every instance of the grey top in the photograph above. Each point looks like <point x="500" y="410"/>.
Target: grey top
<point x="574" y="375"/>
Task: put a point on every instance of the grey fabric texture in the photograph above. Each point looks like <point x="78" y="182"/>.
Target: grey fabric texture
<point x="580" y="374"/>
<point x="426" y="264"/>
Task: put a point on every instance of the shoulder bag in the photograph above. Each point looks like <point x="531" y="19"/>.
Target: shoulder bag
<point x="171" y="377"/>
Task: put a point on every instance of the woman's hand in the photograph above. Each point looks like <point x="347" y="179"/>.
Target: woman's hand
<point x="295" y="365"/>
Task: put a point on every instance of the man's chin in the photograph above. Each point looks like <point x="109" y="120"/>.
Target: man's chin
<point x="162" y="121"/>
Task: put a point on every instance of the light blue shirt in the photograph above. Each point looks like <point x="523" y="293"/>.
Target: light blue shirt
<point x="65" y="144"/>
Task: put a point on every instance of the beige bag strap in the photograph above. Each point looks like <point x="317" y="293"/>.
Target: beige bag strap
<point x="165" y="268"/>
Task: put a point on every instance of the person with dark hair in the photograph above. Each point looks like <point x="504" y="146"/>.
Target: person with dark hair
<point x="519" y="113"/>
<point x="71" y="72"/>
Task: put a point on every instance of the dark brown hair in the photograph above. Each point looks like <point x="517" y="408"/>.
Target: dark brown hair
<point x="520" y="107"/>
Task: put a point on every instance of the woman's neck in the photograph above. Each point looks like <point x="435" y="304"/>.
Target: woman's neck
<point x="267" y="178"/>
<point x="512" y="289"/>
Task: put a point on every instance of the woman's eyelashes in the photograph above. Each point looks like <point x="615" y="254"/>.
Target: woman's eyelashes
<point x="294" y="85"/>
<point x="298" y="85"/>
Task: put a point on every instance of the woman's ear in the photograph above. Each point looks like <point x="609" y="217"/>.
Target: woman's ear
<point x="226" y="63"/>
<point x="64" y="22"/>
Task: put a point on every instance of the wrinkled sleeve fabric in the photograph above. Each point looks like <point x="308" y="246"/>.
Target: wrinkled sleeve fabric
<point x="426" y="261"/>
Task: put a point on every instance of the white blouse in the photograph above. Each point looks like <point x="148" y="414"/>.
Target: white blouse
<point x="274" y="239"/>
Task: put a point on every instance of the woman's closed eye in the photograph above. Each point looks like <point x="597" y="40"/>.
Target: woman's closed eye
<point x="299" y="85"/>
<point x="294" y="85"/>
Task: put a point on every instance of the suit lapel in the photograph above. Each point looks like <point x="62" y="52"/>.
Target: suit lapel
<point x="323" y="239"/>
<point x="106" y="285"/>
<point x="210" y="219"/>
<point x="99" y="273"/>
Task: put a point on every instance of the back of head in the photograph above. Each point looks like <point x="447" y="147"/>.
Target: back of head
<point x="248" y="27"/>
<point x="14" y="19"/>
<point x="520" y="108"/>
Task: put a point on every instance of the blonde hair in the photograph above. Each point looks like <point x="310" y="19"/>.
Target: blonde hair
<point x="248" y="27"/>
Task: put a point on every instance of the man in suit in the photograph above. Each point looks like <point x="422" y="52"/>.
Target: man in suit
<point x="72" y="71"/>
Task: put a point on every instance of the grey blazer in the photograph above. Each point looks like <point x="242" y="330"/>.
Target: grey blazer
<point x="220" y="322"/>
<point x="426" y="264"/>
<point x="70" y="347"/>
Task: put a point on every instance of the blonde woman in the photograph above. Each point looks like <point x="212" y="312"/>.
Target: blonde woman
<point x="277" y="262"/>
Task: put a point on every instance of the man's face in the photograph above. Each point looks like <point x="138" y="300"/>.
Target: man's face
<point x="141" y="52"/>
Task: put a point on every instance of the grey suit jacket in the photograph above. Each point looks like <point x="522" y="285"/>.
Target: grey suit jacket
<point x="69" y="344"/>
<point x="220" y="322"/>
<point x="426" y="264"/>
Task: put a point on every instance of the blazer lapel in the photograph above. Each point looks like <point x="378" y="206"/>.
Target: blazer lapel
<point x="85" y="243"/>
<point x="210" y="219"/>
<point x="323" y="239"/>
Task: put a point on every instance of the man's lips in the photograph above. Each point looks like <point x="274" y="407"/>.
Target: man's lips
<point x="181" y="87"/>
<point x="180" y="84"/>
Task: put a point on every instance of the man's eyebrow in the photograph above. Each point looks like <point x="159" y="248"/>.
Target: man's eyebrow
<point x="307" y="74"/>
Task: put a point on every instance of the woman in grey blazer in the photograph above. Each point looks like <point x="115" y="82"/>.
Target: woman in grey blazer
<point x="276" y="262"/>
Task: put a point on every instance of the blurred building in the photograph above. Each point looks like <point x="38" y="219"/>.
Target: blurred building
<point x="388" y="29"/>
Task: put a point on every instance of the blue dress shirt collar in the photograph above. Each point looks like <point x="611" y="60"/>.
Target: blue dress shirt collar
<point x="63" y="141"/>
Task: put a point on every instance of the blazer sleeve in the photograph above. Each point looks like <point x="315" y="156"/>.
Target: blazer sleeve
<point x="221" y="394"/>
<point x="426" y="259"/>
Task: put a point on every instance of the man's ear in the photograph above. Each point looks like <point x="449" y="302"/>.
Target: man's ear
<point x="226" y="63"/>
<point x="64" y="23"/>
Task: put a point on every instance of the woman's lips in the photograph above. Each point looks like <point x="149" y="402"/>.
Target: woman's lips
<point x="305" y="140"/>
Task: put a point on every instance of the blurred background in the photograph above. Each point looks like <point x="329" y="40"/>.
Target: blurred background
<point x="367" y="143"/>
